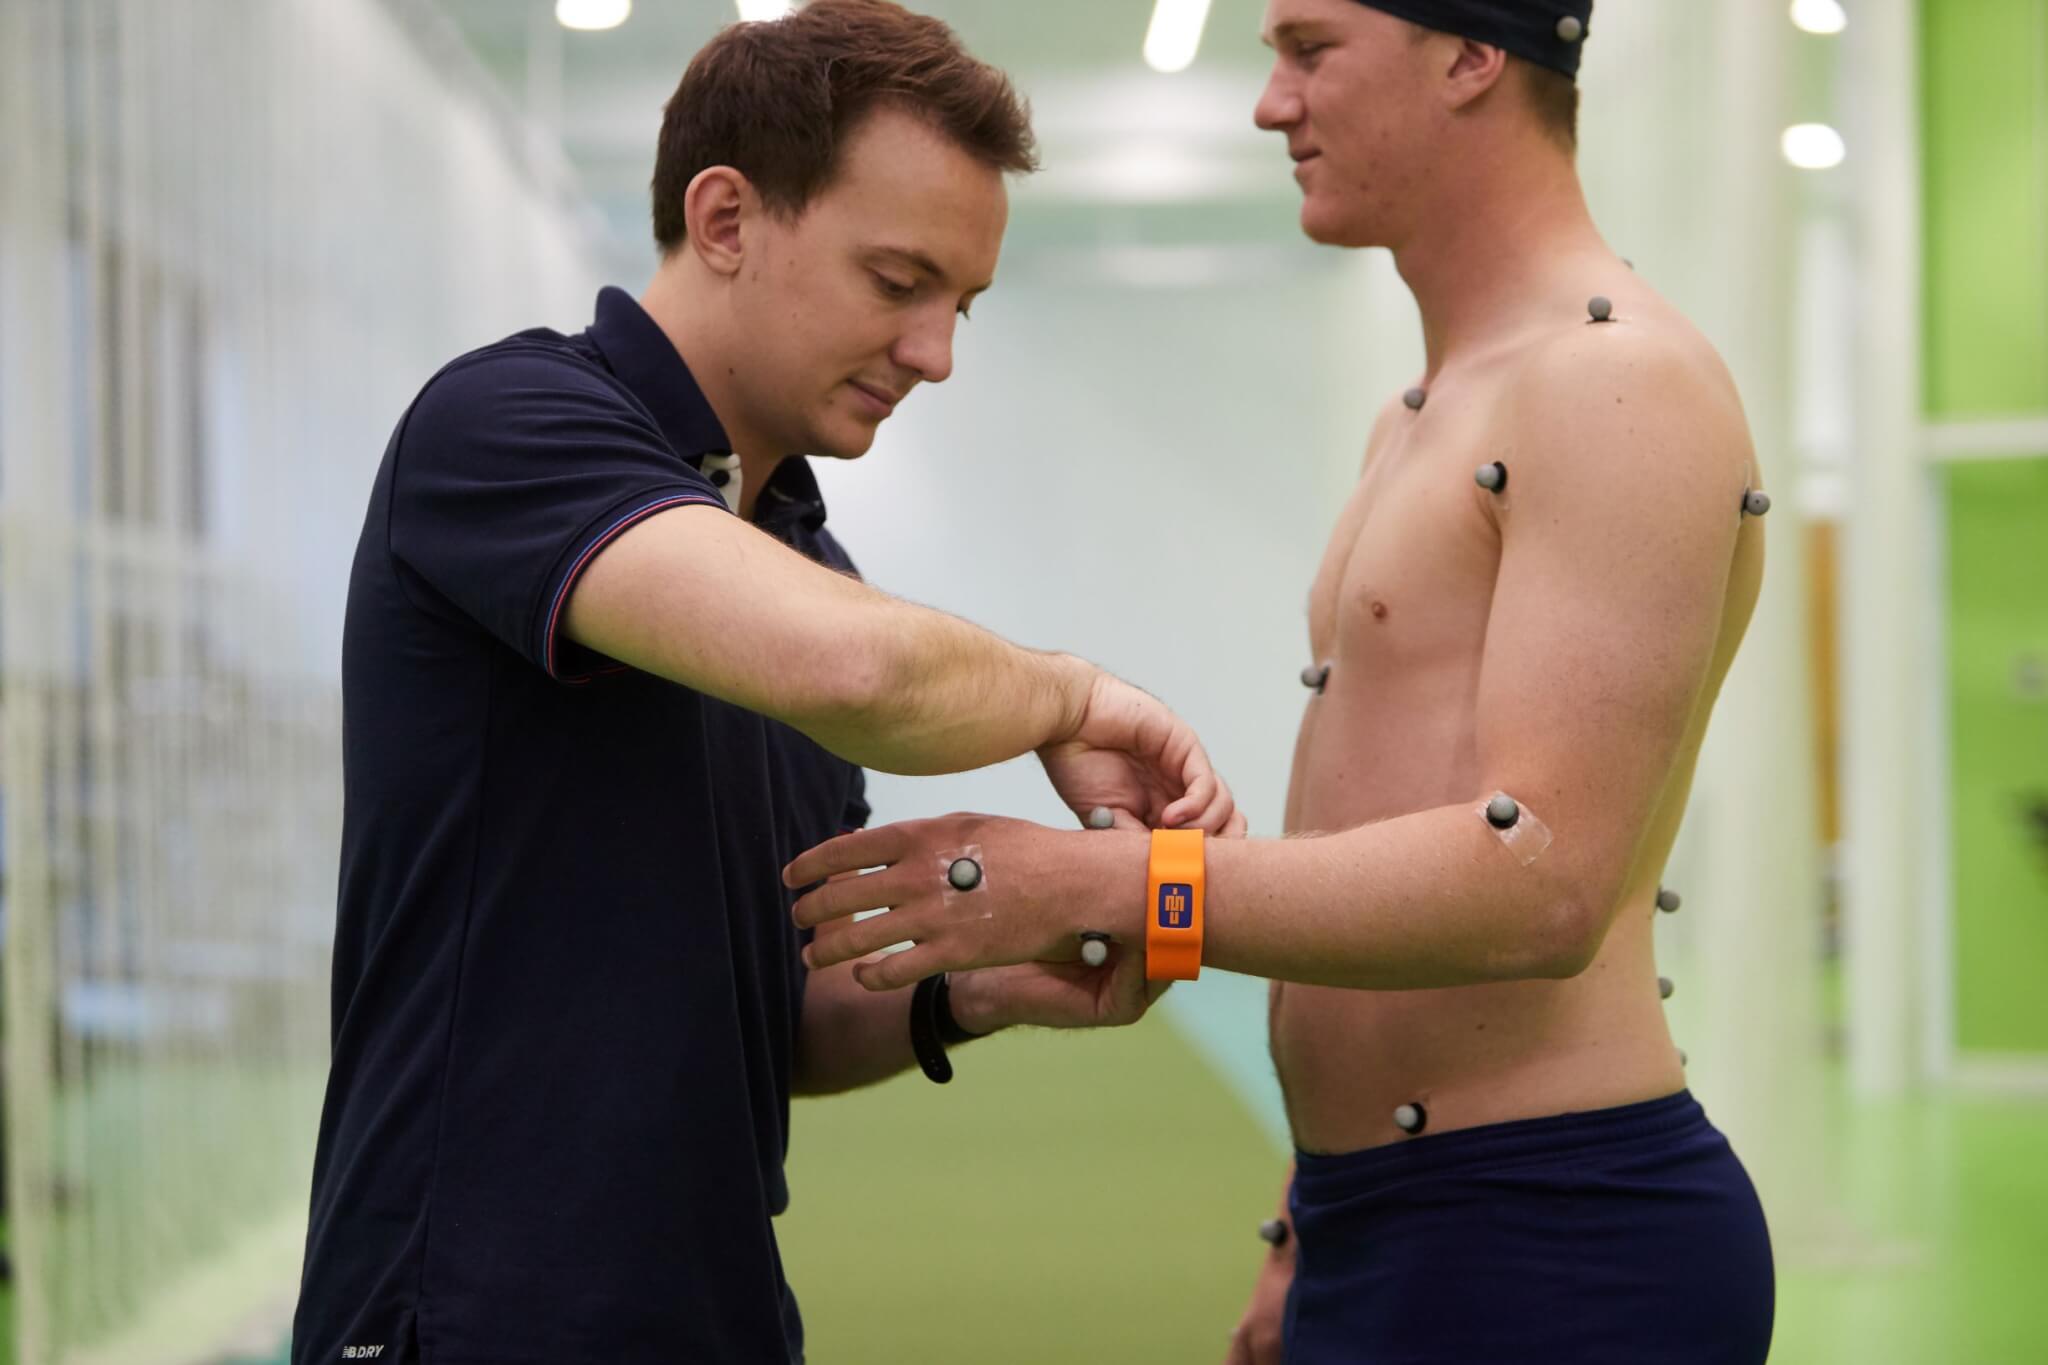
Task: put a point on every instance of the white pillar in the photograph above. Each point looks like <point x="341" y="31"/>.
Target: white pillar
<point x="1888" y="648"/>
<point x="1748" y="863"/>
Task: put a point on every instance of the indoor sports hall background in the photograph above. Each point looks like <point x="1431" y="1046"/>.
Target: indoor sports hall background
<point x="236" y="235"/>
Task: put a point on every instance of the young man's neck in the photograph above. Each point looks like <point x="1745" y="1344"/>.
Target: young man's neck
<point x="1487" y="265"/>
<point x="692" y="330"/>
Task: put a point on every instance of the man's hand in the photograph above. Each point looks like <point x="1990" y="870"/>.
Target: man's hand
<point x="1133" y="756"/>
<point x="1056" y="994"/>
<point x="1040" y="889"/>
<point x="1257" y="1338"/>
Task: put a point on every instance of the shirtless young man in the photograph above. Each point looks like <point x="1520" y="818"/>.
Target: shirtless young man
<point x="1498" y="1160"/>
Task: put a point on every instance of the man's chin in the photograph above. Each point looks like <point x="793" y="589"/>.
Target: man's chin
<point x="1327" y="228"/>
<point x="846" y="441"/>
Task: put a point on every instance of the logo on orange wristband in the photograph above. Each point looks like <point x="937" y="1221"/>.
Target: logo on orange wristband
<point x="1175" y="883"/>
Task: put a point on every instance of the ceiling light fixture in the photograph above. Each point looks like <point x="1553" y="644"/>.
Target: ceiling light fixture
<point x="1176" y="34"/>
<point x="1813" y="146"/>
<point x="1825" y="17"/>
<point x="589" y="16"/>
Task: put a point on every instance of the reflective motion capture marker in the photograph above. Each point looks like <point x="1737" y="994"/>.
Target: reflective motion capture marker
<point x="1668" y="900"/>
<point x="1570" y="29"/>
<point x="1681" y="1057"/>
<point x="964" y="874"/>
<point x="1094" y="947"/>
<point x="1664" y="987"/>
<point x="1410" y="1118"/>
<point x="1415" y="398"/>
<point x="1316" y="676"/>
<point x="1102" y="817"/>
<point x="1519" y="830"/>
<point x="1755" y="502"/>
<point x="1492" y="477"/>
<point x="1600" y="308"/>
<point x="1273" y="1232"/>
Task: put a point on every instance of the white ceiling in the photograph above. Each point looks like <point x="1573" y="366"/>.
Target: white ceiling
<point x="1132" y="157"/>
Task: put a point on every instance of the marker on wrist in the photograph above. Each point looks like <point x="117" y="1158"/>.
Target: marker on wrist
<point x="1176" y="882"/>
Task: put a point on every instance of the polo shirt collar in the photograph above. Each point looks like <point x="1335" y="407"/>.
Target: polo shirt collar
<point x="644" y="359"/>
<point x="791" y="497"/>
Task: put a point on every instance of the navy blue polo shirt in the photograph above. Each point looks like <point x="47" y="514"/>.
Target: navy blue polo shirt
<point x="566" y="984"/>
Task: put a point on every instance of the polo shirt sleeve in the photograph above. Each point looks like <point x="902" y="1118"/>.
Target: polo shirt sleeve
<point x="511" y="474"/>
<point x="858" y="812"/>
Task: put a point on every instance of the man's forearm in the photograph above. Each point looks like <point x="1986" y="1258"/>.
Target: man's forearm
<point x="705" y="600"/>
<point x="1423" y="900"/>
<point x="943" y="695"/>
<point x="851" y="1037"/>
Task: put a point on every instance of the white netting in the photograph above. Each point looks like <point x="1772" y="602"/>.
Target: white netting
<point x="234" y="238"/>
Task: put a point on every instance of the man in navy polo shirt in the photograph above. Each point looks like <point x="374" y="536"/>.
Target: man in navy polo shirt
<point x="605" y="673"/>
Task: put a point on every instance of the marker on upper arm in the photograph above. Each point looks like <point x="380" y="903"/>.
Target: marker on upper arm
<point x="1517" y="827"/>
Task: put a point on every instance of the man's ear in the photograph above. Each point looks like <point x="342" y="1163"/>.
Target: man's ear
<point x="1475" y="69"/>
<point x="716" y="209"/>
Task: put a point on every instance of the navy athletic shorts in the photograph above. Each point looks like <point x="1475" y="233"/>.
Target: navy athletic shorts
<point x="1626" y="1235"/>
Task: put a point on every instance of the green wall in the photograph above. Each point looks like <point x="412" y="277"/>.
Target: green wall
<point x="1985" y="174"/>
<point x="1985" y="178"/>
<point x="1998" y="737"/>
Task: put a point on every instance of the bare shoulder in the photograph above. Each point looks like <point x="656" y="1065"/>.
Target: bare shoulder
<point x="1639" y="408"/>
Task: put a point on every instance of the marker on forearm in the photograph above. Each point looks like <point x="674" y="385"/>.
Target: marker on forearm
<point x="1094" y="945"/>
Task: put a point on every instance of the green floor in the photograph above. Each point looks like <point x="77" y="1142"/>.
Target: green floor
<point x="1091" y="1198"/>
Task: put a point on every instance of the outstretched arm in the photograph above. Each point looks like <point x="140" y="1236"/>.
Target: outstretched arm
<point x="1615" y="559"/>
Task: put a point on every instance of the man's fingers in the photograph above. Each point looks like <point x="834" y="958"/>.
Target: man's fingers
<point x="848" y="853"/>
<point x="1191" y="804"/>
<point x="897" y="970"/>
<point x="862" y="938"/>
<point x="849" y="895"/>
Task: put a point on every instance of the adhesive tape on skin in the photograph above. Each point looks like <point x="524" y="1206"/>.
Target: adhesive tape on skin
<point x="1516" y="826"/>
<point x="972" y="898"/>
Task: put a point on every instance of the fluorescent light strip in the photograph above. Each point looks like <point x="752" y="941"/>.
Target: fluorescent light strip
<point x="1176" y="34"/>
<point x="764" y="11"/>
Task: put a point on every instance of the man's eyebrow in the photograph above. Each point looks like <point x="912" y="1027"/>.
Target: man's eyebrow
<point x="1285" y="32"/>
<point x="917" y="260"/>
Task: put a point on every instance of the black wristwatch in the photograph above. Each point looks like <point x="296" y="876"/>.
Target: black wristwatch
<point x="933" y="1028"/>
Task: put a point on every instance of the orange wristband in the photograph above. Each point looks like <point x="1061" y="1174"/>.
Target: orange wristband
<point x="1173" y="912"/>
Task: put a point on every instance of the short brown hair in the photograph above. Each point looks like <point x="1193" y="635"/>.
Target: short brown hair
<point x="1554" y="97"/>
<point x="775" y="101"/>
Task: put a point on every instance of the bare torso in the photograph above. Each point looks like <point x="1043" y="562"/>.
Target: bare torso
<point x="1399" y="610"/>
